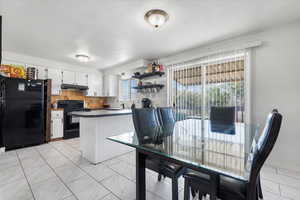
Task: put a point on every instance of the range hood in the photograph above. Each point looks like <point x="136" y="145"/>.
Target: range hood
<point x="74" y="87"/>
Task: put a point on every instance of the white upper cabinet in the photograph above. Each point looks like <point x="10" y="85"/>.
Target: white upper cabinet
<point x="68" y="77"/>
<point x="41" y="72"/>
<point x="110" y="85"/>
<point x="56" y="76"/>
<point x="82" y="78"/>
<point x="95" y="84"/>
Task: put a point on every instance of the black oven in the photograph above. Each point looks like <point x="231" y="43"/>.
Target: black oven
<point x="71" y="123"/>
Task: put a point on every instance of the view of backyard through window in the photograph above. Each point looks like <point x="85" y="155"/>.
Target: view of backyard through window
<point x="203" y="86"/>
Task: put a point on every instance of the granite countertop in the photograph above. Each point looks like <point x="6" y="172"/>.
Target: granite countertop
<point x="101" y="113"/>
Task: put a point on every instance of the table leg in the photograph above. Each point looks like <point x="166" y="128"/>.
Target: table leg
<point x="140" y="176"/>
<point x="215" y="180"/>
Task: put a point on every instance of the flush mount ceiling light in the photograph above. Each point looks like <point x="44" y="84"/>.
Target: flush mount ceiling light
<point x="82" y="57"/>
<point x="156" y="17"/>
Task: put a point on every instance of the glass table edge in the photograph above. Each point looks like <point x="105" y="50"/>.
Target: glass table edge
<point x="241" y="178"/>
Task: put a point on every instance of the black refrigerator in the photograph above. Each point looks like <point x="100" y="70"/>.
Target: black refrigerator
<point x="22" y="112"/>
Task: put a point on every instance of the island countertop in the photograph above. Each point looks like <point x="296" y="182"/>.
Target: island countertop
<point x="101" y="113"/>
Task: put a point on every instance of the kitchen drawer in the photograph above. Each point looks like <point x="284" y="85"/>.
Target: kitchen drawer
<point x="57" y="114"/>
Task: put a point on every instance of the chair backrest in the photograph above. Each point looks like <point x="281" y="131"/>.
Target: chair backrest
<point x="266" y="141"/>
<point x="146" y="123"/>
<point x="222" y="119"/>
<point x="167" y="119"/>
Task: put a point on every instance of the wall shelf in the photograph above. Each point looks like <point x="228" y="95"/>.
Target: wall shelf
<point x="157" y="86"/>
<point x="146" y="75"/>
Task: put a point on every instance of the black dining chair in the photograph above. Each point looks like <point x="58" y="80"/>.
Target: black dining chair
<point x="222" y="120"/>
<point x="147" y="125"/>
<point x="229" y="188"/>
<point x="167" y="119"/>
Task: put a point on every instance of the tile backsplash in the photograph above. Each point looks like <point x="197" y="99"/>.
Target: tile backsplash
<point x="90" y="102"/>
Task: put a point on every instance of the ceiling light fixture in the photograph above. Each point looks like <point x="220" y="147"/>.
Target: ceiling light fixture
<point x="156" y="17"/>
<point x="82" y="57"/>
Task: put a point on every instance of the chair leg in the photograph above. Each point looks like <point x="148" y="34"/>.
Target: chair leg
<point x="159" y="177"/>
<point x="260" y="194"/>
<point x="186" y="190"/>
<point x="175" y="188"/>
<point x="194" y="192"/>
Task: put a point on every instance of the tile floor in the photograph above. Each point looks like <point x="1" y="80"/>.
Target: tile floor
<point x="57" y="171"/>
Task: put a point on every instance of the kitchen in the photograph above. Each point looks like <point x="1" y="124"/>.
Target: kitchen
<point x="72" y="97"/>
<point x="160" y="100"/>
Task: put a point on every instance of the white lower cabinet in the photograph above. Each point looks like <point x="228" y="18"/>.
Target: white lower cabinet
<point x="57" y="124"/>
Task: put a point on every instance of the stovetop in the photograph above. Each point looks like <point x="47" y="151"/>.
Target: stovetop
<point x="70" y="105"/>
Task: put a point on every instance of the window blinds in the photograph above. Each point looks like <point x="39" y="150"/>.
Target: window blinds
<point x="194" y="88"/>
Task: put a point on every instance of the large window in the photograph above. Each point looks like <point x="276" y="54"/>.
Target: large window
<point x="219" y="82"/>
<point x="126" y="92"/>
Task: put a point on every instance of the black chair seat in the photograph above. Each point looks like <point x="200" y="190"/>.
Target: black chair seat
<point x="191" y="174"/>
<point x="162" y="166"/>
<point x="228" y="187"/>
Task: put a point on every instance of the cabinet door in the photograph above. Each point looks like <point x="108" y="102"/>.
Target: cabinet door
<point x="56" y="128"/>
<point x="41" y="72"/>
<point x="111" y="85"/>
<point x="95" y="85"/>
<point x="56" y="76"/>
<point x="68" y="77"/>
<point x="81" y="78"/>
<point x="99" y="86"/>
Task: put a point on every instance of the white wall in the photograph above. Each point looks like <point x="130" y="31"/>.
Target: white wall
<point x="15" y="58"/>
<point x="275" y="84"/>
<point x="127" y="68"/>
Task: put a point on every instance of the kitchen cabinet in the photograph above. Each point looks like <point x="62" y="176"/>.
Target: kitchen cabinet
<point x="81" y="78"/>
<point x="69" y="77"/>
<point x="111" y="85"/>
<point x="41" y="72"/>
<point x="57" y="121"/>
<point x="95" y="84"/>
<point x="56" y="76"/>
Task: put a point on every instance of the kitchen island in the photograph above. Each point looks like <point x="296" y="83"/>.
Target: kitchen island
<point x="96" y="126"/>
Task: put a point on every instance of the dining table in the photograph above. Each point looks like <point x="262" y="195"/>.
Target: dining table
<point x="193" y="144"/>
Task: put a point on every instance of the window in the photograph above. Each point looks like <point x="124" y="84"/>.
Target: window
<point x="126" y="92"/>
<point x="194" y="89"/>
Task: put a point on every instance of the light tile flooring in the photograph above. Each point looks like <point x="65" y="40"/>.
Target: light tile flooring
<point x="57" y="171"/>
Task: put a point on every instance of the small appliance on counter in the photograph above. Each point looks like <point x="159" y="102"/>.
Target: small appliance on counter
<point x="146" y="103"/>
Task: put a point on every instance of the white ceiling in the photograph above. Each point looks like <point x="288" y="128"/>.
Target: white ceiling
<point x="114" y="31"/>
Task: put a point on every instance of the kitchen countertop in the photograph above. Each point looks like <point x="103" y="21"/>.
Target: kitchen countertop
<point x="57" y="109"/>
<point x="101" y="113"/>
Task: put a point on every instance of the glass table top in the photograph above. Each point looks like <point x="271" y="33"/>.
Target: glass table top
<point x="217" y="147"/>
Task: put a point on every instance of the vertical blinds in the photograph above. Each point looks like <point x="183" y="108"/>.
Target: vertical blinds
<point x="193" y="88"/>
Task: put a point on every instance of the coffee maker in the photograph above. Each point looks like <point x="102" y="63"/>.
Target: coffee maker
<point x="146" y="103"/>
